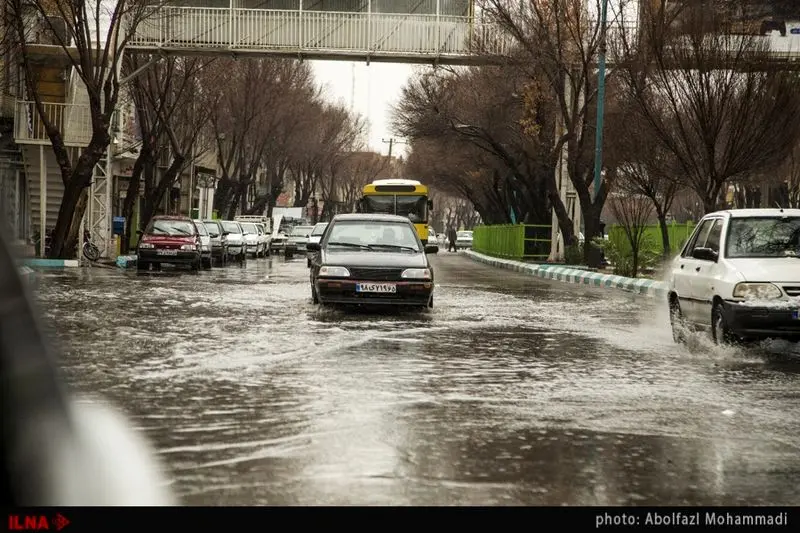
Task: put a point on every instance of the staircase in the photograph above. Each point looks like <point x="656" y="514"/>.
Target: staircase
<point x="54" y="184"/>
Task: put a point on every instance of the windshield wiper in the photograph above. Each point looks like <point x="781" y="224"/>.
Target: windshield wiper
<point x="349" y="245"/>
<point x="395" y="246"/>
<point x="181" y="231"/>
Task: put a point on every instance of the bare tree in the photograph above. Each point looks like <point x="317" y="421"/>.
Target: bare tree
<point x="633" y="212"/>
<point x="558" y="41"/>
<point x="173" y="110"/>
<point x="719" y="104"/>
<point x="347" y="175"/>
<point x="96" y="34"/>
<point x="497" y="118"/>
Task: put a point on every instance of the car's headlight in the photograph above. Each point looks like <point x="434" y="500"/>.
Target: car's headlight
<point x="416" y="273"/>
<point x="146" y="245"/>
<point x="206" y="247"/>
<point x="334" y="272"/>
<point x="188" y="247"/>
<point x="757" y="291"/>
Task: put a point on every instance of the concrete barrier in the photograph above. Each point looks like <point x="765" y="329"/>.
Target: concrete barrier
<point x="27" y="274"/>
<point x="571" y="274"/>
<point x="126" y="261"/>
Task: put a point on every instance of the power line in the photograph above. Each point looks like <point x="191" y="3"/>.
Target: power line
<point x="391" y="142"/>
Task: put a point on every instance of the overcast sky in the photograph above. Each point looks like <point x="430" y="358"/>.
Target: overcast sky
<point x="377" y="88"/>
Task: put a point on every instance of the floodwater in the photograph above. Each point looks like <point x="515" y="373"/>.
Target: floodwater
<point x="511" y="391"/>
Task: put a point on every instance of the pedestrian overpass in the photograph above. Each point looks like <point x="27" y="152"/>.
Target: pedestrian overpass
<point x="397" y="31"/>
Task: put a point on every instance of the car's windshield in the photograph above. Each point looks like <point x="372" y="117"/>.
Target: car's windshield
<point x="383" y="236"/>
<point x="171" y="227"/>
<point x="763" y="237"/>
<point x="415" y="207"/>
<point x="319" y="229"/>
<point x="201" y="228"/>
<point x="301" y="231"/>
<point x="250" y="228"/>
<point x="213" y="228"/>
<point x="231" y="227"/>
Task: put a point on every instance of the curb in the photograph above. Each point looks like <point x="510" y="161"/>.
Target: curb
<point x="50" y="263"/>
<point x="645" y="287"/>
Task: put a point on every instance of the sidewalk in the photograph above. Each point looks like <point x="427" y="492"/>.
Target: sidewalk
<point x="645" y="287"/>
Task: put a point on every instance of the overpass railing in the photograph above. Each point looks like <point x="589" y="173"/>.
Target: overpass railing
<point x="513" y="241"/>
<point x="308" y="31"/>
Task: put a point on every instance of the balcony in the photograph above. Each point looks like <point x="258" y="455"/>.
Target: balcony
<point x="316" y="34"/>
<point x="74" y="121"/>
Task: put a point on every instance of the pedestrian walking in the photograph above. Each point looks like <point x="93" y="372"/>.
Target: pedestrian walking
<point x="451" y="236"/>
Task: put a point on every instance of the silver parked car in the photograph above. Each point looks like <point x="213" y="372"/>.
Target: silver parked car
<point x="316" y="236"/>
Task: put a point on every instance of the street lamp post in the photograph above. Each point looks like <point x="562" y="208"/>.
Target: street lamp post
<point x="601" y="97"/>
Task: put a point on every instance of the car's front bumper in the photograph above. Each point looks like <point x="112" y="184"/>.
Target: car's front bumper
<point x="179" y="257"/>
<point x="235" y="249"/>
<point x="338" y="291"/>
<point x="777" y="321"/>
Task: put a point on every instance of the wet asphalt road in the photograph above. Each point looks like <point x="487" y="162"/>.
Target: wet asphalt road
<point x="512" y="390"/>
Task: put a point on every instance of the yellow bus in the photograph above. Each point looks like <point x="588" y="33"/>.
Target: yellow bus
<point x="408" y="198"/>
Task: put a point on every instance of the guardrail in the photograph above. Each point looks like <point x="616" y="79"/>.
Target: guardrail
<point x="513" y="241"/>
<point x="309" y="31"/>
<point x="74" y="121"/>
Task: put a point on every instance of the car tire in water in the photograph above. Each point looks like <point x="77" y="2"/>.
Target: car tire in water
<point x="142" y="266"/>
<point x="676" y="321"/>
<point x="719" y="327"/>
<point x="314" y="297"/>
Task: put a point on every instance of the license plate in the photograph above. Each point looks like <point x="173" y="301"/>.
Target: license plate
<point x="376" y="287"/>
<point x="168" y="252"/>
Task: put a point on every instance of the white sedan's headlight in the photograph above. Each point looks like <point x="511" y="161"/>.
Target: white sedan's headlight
<point x="416" y="273"/>
<point x="206" y="247"/>
<point x="757" y="291"/>
<point x="334" y="272"/>
<point x="188" y="247"/>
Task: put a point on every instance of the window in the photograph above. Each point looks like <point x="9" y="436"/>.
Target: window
<point x="171" y="227"/>
<point x="231" y="227"/>
<point x="201" y="228"/>
<point x="413" y="207"/>
<point x="372" y="235"/>
<point x="712" y="241"/>
<point x="763" y="237"/>
<point x="379" y="204"/>
<point x="250" y="228"/>
<point x="699" y="237"/>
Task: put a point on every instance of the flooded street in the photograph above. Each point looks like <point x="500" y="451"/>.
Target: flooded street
<point x="512" y="390"/>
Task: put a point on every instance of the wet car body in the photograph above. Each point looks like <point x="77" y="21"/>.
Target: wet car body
<point x="347" y="268"/>
<point x="315" y="237"/>
<point x="172" y="240"/>
<point x="464" y="239"/>
<point x="205" y="243"/>
<point x="236" y="240"/>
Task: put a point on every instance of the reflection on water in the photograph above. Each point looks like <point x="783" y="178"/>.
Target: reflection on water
<point x="510" y="391"/>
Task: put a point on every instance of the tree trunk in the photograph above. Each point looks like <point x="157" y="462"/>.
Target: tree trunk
<point x="155" y="196"/>
<point x="80" y="180"/>
<point x="131" y="196"/>
<point x="662" y="225"/>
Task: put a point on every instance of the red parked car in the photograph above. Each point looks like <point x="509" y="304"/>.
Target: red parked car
<point x="169" y="239"/>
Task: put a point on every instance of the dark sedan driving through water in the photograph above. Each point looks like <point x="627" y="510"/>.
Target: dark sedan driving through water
<point x="371" y="259"/>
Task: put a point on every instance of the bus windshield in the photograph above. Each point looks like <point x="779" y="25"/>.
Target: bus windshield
<point x="415" y="207"/>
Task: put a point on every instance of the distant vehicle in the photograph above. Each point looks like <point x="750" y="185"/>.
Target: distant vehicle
<point x="252" y="238"/>
<point x="463" y="239"/>
<point x="237" y="247"/>
<point x="205" y="244"/>
<point x="299" y="237"/>
<point x="264" y="238"/>
<point x="316" y="236"/>
<point x="739" y="277"/>
<point x="371" y="259"/>
<point x="169" y="239"/>
<point x="408" y="198"/>
<point x="219" y="242"/>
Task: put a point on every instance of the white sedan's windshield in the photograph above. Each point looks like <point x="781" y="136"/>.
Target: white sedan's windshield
<point x="763" y="237"/>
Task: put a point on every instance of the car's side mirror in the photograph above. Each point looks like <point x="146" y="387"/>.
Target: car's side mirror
<point x="430" y="205"/>
<point x="226" y="233"/>
<point x="313" y="247"/>
<point x="705" y="254"/>
<point x="431" y="249"/>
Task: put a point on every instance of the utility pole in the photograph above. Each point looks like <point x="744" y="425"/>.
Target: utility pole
<point x="601" y="97"/>
<point x="391" y="142"/>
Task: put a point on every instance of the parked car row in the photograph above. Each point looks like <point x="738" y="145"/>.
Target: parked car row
<point x="200" y="244"/>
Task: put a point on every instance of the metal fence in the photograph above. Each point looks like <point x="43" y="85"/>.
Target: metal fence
<point x="678" y="235"/>
<point x="513" y="241"/>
